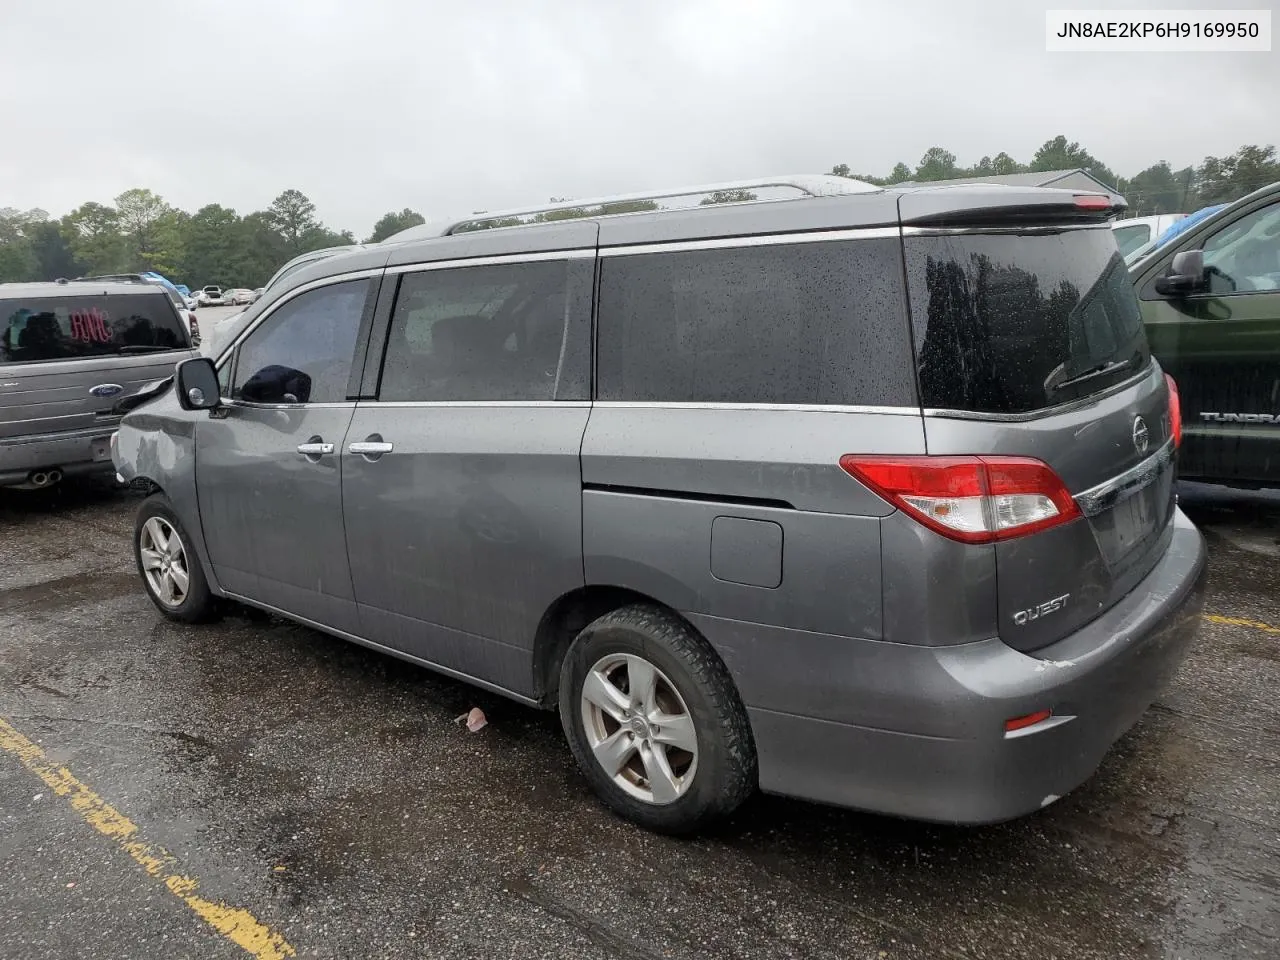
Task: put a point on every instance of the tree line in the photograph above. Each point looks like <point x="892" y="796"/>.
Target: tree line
<point x="141" y="231"/>
<point x="1157" y="189"/>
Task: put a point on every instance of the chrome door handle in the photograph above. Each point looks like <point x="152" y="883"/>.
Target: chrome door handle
<point x="315" y="449"/>
<point x="367" y="447"/>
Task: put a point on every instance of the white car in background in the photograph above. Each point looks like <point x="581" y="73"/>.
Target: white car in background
<point x="1138" y="231"/>
<point x="215" y="333"/>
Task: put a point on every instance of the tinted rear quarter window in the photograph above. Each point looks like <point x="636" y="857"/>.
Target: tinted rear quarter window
<point x="36" y="329"/>
<point x="795" y="323"/>
<point x="1004" y="321"/>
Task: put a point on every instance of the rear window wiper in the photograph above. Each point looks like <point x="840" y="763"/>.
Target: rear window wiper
<point x="1101" y="370"/>
<point x="143" y="348"/>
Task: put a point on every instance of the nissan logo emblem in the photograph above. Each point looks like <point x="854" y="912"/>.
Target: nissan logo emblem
<point x="1141" y="436"/>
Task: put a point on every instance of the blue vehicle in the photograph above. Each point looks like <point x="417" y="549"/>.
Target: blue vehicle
<point x="147" y="276"/>
<point x="1190" y="220"/>
<point x="153" y="277"/>
<point x="1175" y="229"/>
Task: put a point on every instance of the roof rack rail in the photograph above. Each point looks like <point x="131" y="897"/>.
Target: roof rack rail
<point x="811" y="185"/>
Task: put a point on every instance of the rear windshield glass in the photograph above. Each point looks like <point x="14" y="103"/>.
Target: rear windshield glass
<point x="1009" y="323"/>
<point x="65" y="328"/>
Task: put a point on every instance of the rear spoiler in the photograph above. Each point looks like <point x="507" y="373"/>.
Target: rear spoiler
<point x="982" y="205"/>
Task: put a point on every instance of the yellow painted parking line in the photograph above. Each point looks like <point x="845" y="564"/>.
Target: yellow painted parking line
<point x="238" y="926"/>
<point x="1242" y="622"/>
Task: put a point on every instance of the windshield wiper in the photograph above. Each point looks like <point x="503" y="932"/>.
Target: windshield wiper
<point x="143" y="348"/>
<point x="1101" y="370"/>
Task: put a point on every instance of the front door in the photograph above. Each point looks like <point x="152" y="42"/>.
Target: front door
<point x="1222" y="347"/>
<point x="268" y="473"/>
<point x="461" y="483"/>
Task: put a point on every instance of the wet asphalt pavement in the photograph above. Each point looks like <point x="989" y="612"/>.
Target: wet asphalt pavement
<point x="327" y="792"/>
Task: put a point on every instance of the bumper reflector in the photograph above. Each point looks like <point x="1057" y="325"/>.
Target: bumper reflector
<point x="1028" y="720"/>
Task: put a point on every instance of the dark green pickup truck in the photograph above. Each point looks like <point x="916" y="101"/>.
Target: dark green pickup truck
<point x="1211" y="303"/>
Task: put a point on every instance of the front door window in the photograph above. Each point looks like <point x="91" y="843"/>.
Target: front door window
<point x="302" y="353"/>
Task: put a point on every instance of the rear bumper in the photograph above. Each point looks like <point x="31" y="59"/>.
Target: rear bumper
<point x="73" y="451"/>
<point x="919" y="731"/>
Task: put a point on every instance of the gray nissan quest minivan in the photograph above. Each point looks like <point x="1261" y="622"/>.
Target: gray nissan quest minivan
<point x="68" y="352"/>
<point x="863" y="496"/>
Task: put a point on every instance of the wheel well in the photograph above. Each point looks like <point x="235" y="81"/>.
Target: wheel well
<point x="146" y="485"/>
<point x="563" y="621"/>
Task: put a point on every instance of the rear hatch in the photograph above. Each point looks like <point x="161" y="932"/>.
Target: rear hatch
<point x="1029" y="343"/>
<point x="65" y="360"/>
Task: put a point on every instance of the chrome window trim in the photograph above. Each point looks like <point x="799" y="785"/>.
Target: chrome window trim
<point x="1026" y="229"/>
<point x="645" y="405"/>
<point x="295" y="292"/>
<point x="1077" y="404"/>
<point x="250" y="405"/>
<point x="498" y="260"/>
<point x="759" y="240"/>
<point x="412" y="404"/>
<point x="1099" y="499"/>
<point x="779" y="407"/>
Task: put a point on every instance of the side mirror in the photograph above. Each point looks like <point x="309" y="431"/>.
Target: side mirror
<point x="198" y="384"/>
<point x="1186" y="275"/>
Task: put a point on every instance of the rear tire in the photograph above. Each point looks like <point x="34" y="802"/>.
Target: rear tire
<point x="654" y="721"/>
<point x="168" y="565"/>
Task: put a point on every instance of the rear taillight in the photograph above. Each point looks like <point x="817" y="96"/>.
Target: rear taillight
<point x="971" y="499"/>
<point x="1175" y="412"/>
<point x="193" y="324"/>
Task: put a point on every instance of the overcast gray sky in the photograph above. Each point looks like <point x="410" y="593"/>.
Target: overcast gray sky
<point x="453" y="107"/>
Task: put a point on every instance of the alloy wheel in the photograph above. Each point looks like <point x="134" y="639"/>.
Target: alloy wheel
<point x="639" y="728"/>
<point x="164" y="561"/>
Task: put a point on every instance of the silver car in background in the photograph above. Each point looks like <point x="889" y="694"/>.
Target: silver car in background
<point x="68" y="353"/>
<point x="864" y="496"/>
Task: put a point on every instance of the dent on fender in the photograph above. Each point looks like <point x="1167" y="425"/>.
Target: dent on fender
<point x="154" y="446"/>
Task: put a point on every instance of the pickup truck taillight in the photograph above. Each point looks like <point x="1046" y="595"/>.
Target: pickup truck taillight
<point x="1175" y="412"/>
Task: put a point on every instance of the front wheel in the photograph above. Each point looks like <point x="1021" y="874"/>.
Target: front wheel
<point x="654" y="721"/>
<point x="170" y="569"/>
